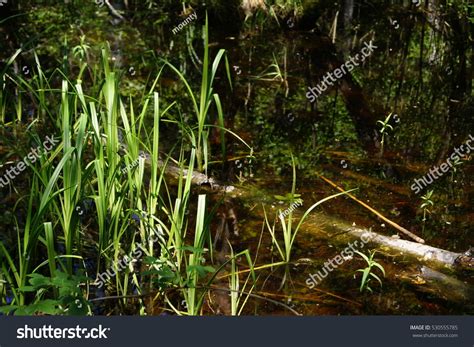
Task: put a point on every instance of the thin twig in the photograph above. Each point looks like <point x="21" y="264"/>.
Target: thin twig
<point x="378" y="214"/>
<point x="116" y="297"/>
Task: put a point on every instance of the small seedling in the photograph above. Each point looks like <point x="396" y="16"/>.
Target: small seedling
<point x="384" y="130"/>
<point x="367" y="273"/>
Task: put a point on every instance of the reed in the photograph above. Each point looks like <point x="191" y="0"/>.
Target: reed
<point x="204" y="100"/>
<point x="289" y="232"/>
<point x="101" y="134"/>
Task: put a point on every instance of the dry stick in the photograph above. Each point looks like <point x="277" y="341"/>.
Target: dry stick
<point x="378" y="214"/>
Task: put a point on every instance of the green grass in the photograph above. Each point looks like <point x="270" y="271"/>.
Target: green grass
<point x="202" y="102"/>
<point x="84" y="212"/>
<point x="289" y="231"/>
<point x="100" y="135"/>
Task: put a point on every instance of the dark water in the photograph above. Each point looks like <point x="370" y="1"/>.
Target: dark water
<point x="272" y="68"/>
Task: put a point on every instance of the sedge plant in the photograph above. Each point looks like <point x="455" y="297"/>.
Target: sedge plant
<point x="384" y="129"/>
<point x="202" y="102"/>
<point x="289" y="230"/>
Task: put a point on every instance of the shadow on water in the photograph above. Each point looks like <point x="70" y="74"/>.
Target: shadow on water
<point x="337" y="136"/>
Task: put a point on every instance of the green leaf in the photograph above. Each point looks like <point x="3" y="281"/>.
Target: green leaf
<point x="376" y="277"/>
<point x="47" y="307"/>
<point x="39" y="281"/>
<point x="28" y="289"/>
<point x="380" y="267"/>
<point x="165" y="273"/>
<point x="77" y="306"/>
<point x="364" y="278"/>
<point x="25" y="311"/>
<point x="201" y="270"/>
<point x="191" y="249"/>
<point x="8" y="309"/>
<point x="363" y="256"/>
<point x="151" y="260"/>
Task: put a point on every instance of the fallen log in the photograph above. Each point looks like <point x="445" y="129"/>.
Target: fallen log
<point x="423" y="260"/>
<point x="431" y="256"/>
<point x="423" y="278"/>
<point x="427" y="280"/>
<point x="423" y="253"/>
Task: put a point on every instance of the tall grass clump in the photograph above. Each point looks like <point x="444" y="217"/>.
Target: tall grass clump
<point x="102" y="195"/>
<point x="240" y="294"/>
<point x="88" y="204"/>
<point x="202" y="102"/>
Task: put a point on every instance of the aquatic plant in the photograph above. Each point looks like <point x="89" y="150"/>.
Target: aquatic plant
<point x="273" y="73"/>
<point x="82" y="49"/>
<point x="425" y="206"/>
<point x="367" y="272"/>
<point x="427" y="203"/>
<point x="84" y="175"/>
<point x="239" y="295"/>
<point x="4" y="91"/>
<point x="70" y="297"/>
<point x="286" y="220"/>
<point x="202" y="103"/>
<point x="384" y="128"/>
<point x="99" y="137"/>
<point x="194" y="266"/>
